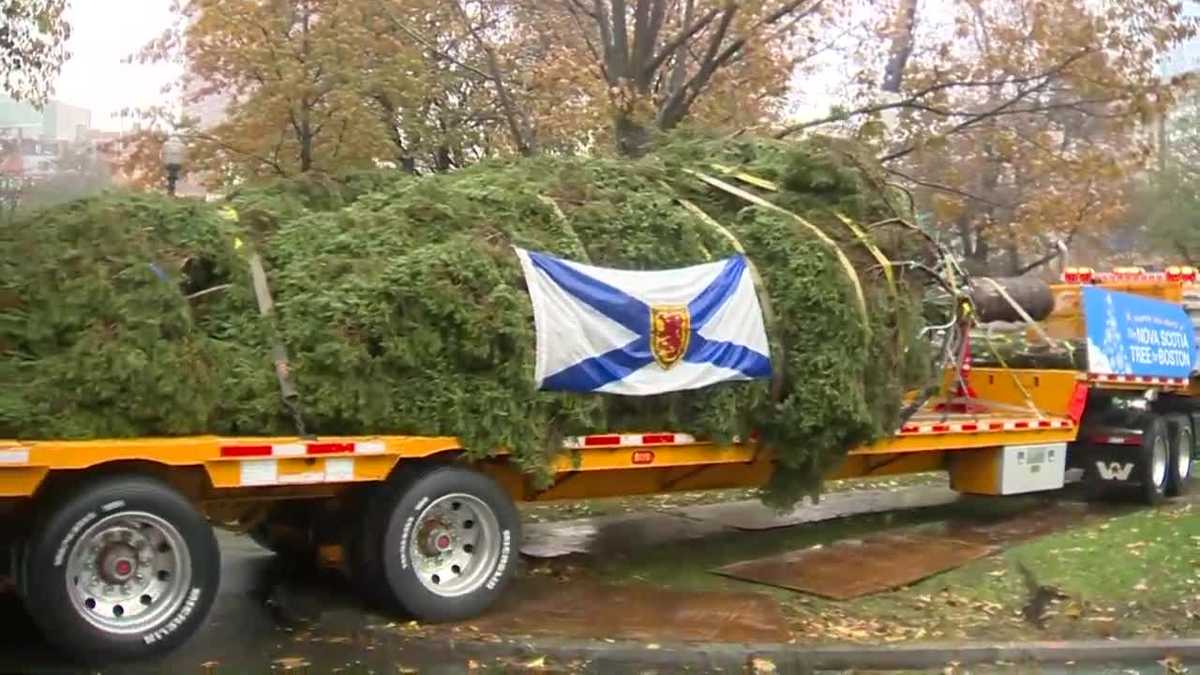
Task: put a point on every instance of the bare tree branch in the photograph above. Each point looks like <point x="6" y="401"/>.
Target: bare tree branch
<point x="673" y="44"/>
<point x="518" y="125"/>
<point x="913" y="100"/>
<point x="679" y="68"/>
<point x="944" y="188"/>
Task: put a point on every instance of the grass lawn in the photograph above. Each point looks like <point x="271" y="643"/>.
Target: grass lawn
<point x="1133" y="575"/>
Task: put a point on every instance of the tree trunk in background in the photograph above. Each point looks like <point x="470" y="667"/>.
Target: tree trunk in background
<point x="902" y="46"/>
<point x="633" y="137"/>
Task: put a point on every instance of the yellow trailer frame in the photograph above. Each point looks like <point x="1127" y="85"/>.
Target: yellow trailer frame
<point x="214" y="467"/>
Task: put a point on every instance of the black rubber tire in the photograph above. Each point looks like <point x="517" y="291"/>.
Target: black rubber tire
<point x="1153" y="431"/>
<point x="47" y="600"/>
<point x="364" y="551"/>
<point x="404" y="589"/>
<point x="1182" y="446"/>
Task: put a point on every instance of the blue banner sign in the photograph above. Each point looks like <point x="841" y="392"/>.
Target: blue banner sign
<point x="1133" y="335"/>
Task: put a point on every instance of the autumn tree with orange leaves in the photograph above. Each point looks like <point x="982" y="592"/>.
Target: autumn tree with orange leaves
<point x="1019" y="125"/>
<point x="1015" y="124"/>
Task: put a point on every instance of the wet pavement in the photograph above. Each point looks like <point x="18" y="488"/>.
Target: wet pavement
<point x="270" y="617"/>
<point x="579" y="608"/>
<point x="625" y="533"/>
<point x="267" y="619"/>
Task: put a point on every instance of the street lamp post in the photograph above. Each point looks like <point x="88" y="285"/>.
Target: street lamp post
<point x="173" y="155"/>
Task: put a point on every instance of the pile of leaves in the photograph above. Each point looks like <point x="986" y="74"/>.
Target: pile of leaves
<point x="403" y="309"/>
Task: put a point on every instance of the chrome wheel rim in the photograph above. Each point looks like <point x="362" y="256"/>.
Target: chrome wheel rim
<point x="455" y="544"/>
<point x="1160" y="458"/>
<point x="128" y="572"/>
<point x="1185" y="456"/>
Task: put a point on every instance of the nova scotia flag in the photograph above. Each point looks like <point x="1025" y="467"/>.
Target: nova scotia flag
<point x="639" y="333"/>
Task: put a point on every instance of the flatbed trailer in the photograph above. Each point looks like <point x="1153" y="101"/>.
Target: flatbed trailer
<point x="113" y="552"/>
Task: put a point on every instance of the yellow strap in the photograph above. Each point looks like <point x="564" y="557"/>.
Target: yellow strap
<point x="747" y="178"/>
<point x="778" y="357"/>
<point x="851" y="274"/>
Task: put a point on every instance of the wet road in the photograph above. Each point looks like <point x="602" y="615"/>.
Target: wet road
<point x="267" y="619"/>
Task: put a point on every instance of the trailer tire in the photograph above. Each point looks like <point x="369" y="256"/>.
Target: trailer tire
<point x="450" y="544"/>
<point x="1154" y="460"/>
<point x="364" y="551"/>
<point x="123" y="568"/>
<point x="1182" y="443"/>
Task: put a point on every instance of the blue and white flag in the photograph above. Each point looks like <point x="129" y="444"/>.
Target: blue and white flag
<point x="639" y="333"/>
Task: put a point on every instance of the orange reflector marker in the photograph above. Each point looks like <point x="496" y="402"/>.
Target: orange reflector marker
<point x="1181" y="273"/>
<point x="642" y="457"/>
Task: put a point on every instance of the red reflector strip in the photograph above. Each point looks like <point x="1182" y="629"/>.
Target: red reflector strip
<point x="245" y="451"/>
<point x="1141" y="379"/>
<point x="993" y="425"/>
<point x="329" y="448"/>
<point x="657" y="439"/>
<point x="601" y="441"/>
<point x="302" y="449"/>
<point x="1117" y="440"/>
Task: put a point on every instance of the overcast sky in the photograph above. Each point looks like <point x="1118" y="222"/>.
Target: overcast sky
<point x="103" y="32"/>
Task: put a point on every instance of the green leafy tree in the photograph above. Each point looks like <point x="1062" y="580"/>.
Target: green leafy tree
<point x="1167" y="207"/>
<point x="33" y="36"/>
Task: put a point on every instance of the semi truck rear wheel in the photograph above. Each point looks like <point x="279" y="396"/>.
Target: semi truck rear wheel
<point x="449" y="544"/>
<point x="1182" y="442"/>
<point x="122" y="568"/>
<point x="1154" y="460"/>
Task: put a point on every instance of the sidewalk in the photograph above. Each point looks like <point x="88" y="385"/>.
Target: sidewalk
<point x="607" y="657"/>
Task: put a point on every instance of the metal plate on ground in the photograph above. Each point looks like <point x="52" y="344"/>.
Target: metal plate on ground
<point x="612" y="534"/>
<point x="854" y="568"/>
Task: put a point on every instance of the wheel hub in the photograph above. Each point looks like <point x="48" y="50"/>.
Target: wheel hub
<point x="117" y="563"/>
<point x="128" y="572"/>
<point x="456" y="545"/>
<point x="437" y="539"/>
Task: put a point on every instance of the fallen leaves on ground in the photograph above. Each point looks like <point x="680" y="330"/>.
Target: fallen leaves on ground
<point x="761" y="666"/>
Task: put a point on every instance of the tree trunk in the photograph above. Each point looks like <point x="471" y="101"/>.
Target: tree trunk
<point x="306" y="140"/>
<point x="1014" y="257"/>
<point x="441" y="159"/>
<point x="902" y="46"/>
<point x="633" y="137"/>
